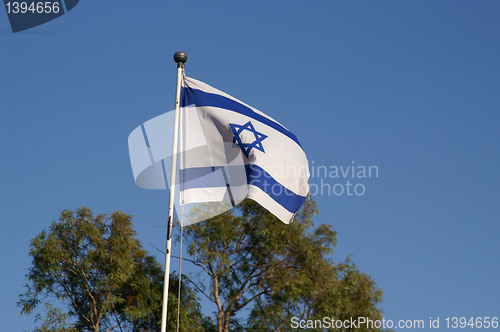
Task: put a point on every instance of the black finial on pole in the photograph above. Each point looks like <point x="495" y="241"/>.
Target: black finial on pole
<point x="180" y="58"/>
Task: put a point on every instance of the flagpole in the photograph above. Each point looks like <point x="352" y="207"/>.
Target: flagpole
<point x="180" y="58"/>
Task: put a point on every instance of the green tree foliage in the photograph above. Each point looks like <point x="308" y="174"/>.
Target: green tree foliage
<point x="55" y="320"/>
<point x="98" y="268"/>
<point x="279" y="271"/>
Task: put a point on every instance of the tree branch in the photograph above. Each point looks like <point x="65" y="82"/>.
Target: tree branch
<point x="70" y="296"/>
<point x="197" y="287"/>
<point x="250" y="300"/>
<point x="94" y="312"/>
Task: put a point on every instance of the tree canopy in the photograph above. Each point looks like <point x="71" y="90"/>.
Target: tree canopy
<point x="97" y="267"/>
<point x="92" y="274"/>
<point x="251" y="260"/>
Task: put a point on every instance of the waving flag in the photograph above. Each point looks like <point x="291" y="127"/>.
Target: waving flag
<point x="231" y="151"/>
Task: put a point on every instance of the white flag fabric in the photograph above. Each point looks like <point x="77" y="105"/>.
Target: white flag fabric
<point x="231" y="151"/>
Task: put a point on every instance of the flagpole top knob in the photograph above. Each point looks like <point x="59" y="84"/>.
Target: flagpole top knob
<point x="180" y="57"/>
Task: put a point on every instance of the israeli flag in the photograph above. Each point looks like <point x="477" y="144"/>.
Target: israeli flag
<point x="231" y="151"/>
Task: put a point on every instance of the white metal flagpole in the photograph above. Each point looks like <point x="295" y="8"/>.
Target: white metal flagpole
<point x="180" y="58"/>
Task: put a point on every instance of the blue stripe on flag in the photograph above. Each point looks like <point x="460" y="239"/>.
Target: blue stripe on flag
<point x="256" y="176"/>
<point x="201" y="177"/>
<point x="201" y="98"/>
<point x="206" y="177"/>
<point x="193" y="173"/>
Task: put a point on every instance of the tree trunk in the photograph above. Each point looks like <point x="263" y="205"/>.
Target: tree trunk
<point x="219" y="305"/>
<point x="227" y="318"/>
<point x="219" y="320"/>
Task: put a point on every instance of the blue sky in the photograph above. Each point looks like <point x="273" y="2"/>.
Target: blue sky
<point x="411" y="87"/>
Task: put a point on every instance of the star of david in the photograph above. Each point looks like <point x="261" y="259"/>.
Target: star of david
<point x="247" y="147"/>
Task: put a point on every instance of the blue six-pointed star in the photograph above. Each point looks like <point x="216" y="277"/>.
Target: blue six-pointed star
<point x="247" y="147"/>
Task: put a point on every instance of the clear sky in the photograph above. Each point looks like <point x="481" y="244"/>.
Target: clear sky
<point x="411" y="87"/>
